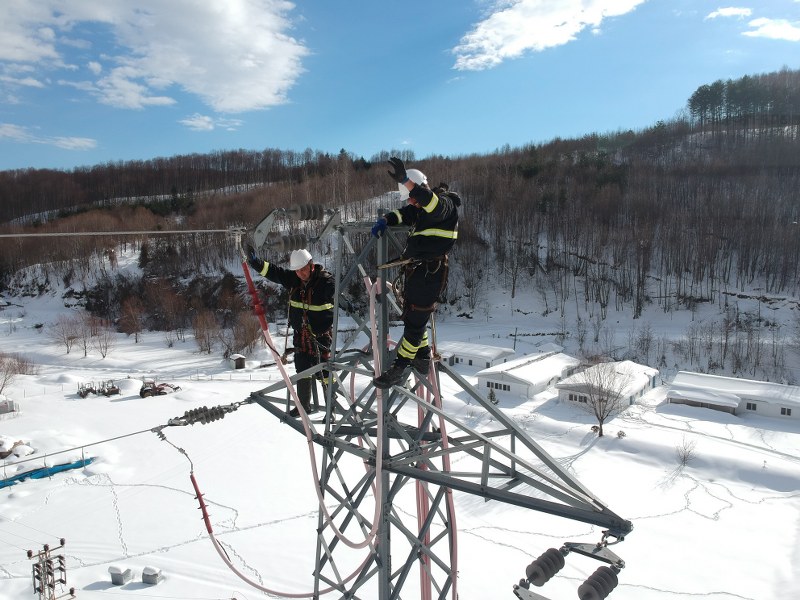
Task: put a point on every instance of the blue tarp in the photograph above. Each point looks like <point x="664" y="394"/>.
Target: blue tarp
<point x="44" y="472"/>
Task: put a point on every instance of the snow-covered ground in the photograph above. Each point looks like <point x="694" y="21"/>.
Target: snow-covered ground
<point x="725" y="526"/>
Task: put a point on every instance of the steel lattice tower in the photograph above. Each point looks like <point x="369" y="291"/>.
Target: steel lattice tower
<point x="385" y="450"/>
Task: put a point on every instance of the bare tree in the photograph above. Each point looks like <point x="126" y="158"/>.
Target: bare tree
<point x="473" y="277"/>
<point x="7" y="373"/>
<point x="225" y="336"/>
<point x="246" y="332"/>
<point x="130" y="320"/>
<point x="104" y="341"/>
<point x="169" y="337"/>
<point x="86" y="327"/>
<point x="12" y="365"/>
<point x="599" y="389"/>
<point x="597" y="327"/>
<point x="206" y="330"/>
<point x="175" y="313"/>
<point x="644" y="342"/>
<point x="65" y="331"/>
<point x="685" y="452"/>
<point x="797" y="329"/>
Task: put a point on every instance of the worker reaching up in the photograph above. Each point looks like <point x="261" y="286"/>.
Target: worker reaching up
<point x="432" y="215"/>
<point x="311" y="295"/>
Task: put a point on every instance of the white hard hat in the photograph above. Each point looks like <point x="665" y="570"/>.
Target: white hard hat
<point x="299" y="259"/>
<point x="414" y="175"/>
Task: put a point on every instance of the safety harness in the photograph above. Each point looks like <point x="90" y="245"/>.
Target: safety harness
<point x="432" y="266"/>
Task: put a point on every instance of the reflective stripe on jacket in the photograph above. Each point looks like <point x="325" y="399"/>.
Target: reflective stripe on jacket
<point x="433" y="221"/>
<point x="310" y="302"/>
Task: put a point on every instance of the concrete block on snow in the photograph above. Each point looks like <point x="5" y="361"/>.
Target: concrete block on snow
<point x="120" y="576"/>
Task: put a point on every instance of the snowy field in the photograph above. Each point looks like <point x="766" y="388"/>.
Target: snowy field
<point x="723" y="527"/>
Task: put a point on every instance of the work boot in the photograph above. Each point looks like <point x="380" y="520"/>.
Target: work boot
<point x="306" y="407"/>
<point x="394" y="376"/>
<point x="296" y="413"/>
<point x="421" y="364"/>
<point x="304" y="395"/>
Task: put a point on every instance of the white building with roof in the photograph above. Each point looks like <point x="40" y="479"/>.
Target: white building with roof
<point x="529" y="375"/>
<point x="473" y="355"/>
<point x="634" y="379"/>
<point x="735" y="396"/>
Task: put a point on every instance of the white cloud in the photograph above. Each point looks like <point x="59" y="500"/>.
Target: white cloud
<point x="86" y="86"/>
<point x="21" y="40"/>
<point x="22" y="81"/>
<point x="235" y="55"/>
<point x="13" y="132"/>
<point x="70" y="143"/>
<point x="95" y="67"/>
<point x="122" y="88"/>
<point x="24" y="135"/>
<point x="730" y="12"/>
<point x="198" y="122"/>
<point x="774" y="29"/>
<point x="517" y="26"/>
<point x="229" y="124"/>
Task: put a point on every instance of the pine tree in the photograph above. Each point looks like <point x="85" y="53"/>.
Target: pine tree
<point x="493" y="397"/>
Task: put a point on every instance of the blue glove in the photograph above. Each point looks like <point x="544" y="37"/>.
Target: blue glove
<point x="253" y="260"/>
<point x="379" y="227"/>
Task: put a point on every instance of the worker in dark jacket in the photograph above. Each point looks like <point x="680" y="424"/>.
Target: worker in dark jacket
<point x="311" y="295"/>
<point x="432" y="215"/>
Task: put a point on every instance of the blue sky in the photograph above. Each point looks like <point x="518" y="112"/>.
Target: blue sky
<point x="85" y="82"/>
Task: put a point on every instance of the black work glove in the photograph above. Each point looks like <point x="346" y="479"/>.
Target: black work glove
<point x="253" y="260"/>
<point x="399" y="173"/>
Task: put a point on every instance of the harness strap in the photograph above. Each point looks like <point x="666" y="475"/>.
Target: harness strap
<point x="417" y="308"/>
<point x="440" y="262"/>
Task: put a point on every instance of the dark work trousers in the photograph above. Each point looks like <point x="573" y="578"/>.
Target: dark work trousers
<point x="303" y="361"/>
<point x="422" y="289"/>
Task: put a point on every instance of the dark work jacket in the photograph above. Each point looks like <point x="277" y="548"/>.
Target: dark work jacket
<point x="433" y="221"/>
<point x="310" y="304"/>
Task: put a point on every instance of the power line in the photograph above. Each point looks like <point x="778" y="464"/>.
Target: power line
<point x="119" y="437"/>
<point x="19" y="536"/>
<point x="21" y="524"/>
<point x="116" y="233"/>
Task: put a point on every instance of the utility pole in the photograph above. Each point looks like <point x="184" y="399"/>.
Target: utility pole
<point x="49" y="570"/>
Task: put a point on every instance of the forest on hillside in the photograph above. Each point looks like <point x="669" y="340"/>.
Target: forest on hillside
<point x="694" y="209"/>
